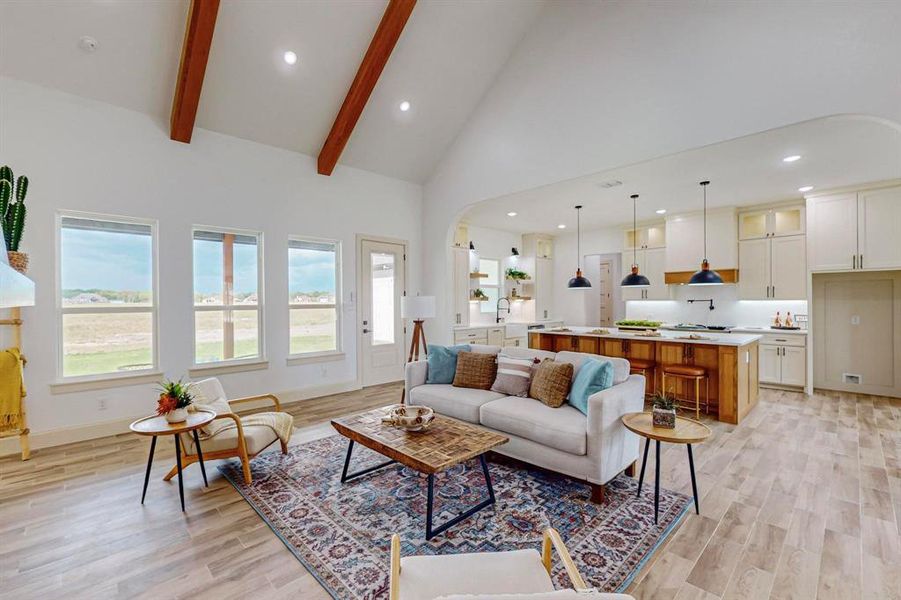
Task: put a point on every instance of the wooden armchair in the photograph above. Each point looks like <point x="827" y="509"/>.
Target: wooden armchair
<point x="243" y="441"/>
<point x="494" y="576"/>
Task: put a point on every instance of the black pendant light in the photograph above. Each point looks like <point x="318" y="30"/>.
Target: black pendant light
<point x="578" y="282"/>
<point x="705" y="276"/>
<point x="633" y="279"/>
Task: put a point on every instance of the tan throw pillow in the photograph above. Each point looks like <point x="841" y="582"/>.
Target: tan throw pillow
<point x="514" y="375"/>
<point x="475" y="370"/>
<point x="551" y="382"/>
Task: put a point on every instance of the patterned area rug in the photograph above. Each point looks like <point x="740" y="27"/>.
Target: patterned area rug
<point x="341" y="532"/>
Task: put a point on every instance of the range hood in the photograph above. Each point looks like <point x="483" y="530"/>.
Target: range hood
<point x="15" y="288"/>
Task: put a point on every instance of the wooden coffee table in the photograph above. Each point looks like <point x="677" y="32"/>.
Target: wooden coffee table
<point x="447" y="442"/>
<point x="687" y="431"/>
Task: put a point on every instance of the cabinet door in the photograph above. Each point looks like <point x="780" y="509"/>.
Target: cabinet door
<point x="496" y="336"/>
<point x="612" y="348"/>
<point x="788" y="257"/>
<point x="654" y="267"/>
<point x="880" y="229"/>
<point x="633" y="293"/>
<point x="794" y="365"/>
<point x="789" y="220"/>
<point x="754" y="269"/>
<point x="753" y="225"/>
<point x="544" y="288"/>
<point x="565" y="343"/>
<point x="461" y="286"/>
<point x="635" y="238"/>
<point x="832" y="232"/>
<point x="770" y="364"/>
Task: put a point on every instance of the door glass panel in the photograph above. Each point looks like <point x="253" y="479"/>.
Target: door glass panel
<point x="383" y="276"/>
<point x="787" y="220"/>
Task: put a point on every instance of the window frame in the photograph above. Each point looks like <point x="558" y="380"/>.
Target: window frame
<point x="259" y="307"/>
<point x="61" y="310"/>
<point x="495" y="286"/>
<point x="338" y="305"/>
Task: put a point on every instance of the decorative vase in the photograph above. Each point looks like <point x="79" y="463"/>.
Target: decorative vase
<point x="665" y="418"/>
<point x="18" y="261"/>
<point x="177" y="415"/>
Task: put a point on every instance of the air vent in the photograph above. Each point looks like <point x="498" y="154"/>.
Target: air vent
<point x="851" y="378"/>
<point x="610" y="184"/>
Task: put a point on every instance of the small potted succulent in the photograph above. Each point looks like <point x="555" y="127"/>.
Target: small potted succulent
<point x="12" y="216"/>
<point x="479" y="295"/>
<point x="174" y="401"/>
<point x="517" y="275"/>
<point x="664" y="410"/>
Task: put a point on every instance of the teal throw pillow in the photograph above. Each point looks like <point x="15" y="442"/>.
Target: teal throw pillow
<point x="593" y="376"/>
<point x="443" y="363"/>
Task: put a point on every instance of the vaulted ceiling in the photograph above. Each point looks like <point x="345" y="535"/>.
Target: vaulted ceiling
<point x="446" y="59"/>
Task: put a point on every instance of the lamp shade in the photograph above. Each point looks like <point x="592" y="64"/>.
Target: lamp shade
<point x="417" y="307"/>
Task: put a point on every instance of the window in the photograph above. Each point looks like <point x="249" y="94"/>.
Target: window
<point x="227" y="299"/>
<point x="491" y="285"/>
<point x="313" y="296"/>
<point x="107" y="296"/>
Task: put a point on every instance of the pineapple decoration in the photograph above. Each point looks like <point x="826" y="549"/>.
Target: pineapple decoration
<point x="12" y="216"/>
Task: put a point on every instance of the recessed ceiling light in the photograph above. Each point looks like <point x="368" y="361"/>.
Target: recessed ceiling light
<point x="661" y="211"/>
<point x="561" y="226"/>
<point x="404" y="106"/>
<point x="511" y="214"/>
<point x="805" y="188"/>
<point x="87" y="43"/>
<point x="290" y="57"/>
<point x="792" y="158"/>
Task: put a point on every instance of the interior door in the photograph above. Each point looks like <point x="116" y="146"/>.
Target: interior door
<point x="382" y="339"/>
<point x="605" y="287"/>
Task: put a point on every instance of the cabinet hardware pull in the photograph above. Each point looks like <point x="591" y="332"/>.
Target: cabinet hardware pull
<point x="774" y="292"/>
<point x="854" y="261"/>
<point x="861" y="261"/>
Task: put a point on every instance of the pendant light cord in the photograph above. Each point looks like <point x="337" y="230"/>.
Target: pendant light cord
<point x="578" y="238"/>
<point x="705" y="222"/>
<point x="634" y="229"/>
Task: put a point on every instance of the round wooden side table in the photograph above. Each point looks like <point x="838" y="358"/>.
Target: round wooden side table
<point x="155" y="426"/>
<point x="687" y="431"/>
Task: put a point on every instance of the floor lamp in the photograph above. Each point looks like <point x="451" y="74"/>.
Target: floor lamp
<point x="417" y="308"/>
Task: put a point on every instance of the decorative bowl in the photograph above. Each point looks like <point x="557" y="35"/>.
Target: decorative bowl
<point x="411" y="418"/>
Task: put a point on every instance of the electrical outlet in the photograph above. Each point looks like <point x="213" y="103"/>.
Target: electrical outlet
<point x="101" y="403"/>
<point x="323" y="371"/>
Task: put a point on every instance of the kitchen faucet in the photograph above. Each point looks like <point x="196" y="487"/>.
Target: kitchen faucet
<point x="497" y="313"/>
<point x="710" y="300"/>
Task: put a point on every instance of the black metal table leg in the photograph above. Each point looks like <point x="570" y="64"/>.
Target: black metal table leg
<point x="200" y="458"/>
<point x="644" y="463"/>
<point x="347" y="477"/>
<point x="181" y="489"/>
<point x="430" y="531"/>
<point x="694" y="485"/>
<point x="656" y="481"/>
<point x="149" y="463"/>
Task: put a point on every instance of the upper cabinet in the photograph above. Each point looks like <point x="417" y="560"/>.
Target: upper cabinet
<point x="461" y="285"/>
<point x="537" y="260"/>
<point x="771" y="222"/>
<point x="773" y="268"/>
<point x="685" y="241"/>
<point x="648" y="236"/>
<point x="855" y="230"/>
<point x="461" y="236"/>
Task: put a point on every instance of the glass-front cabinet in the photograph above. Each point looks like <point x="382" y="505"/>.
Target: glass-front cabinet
<point x="771" y="222"/>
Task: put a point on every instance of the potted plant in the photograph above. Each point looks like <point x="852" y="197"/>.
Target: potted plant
<point x="12" y="216"/>
<point x="479" y="295"/>
<point x="174" y="401"/>
<point x="517" y="275"/>
<point x="664" y="410"/>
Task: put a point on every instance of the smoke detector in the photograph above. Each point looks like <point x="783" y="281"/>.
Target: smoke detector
<point x="88" y="44"/>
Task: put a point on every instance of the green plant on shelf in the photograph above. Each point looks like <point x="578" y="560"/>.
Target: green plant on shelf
<point x="517" y="275"/>
<point x="478" y="294"/>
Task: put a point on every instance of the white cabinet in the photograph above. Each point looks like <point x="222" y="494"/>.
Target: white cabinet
<point x="544" y="289"/>
<point x="855" y="230"/>
<point x="645" y="236"/>
<point x="496" y="336"/>
<point x="518" y="342"/>
<point x="651" y="263"/>
<point x="461" y="286"/>
<point x="794" y="366"/>
<point x="685" y="241"/>
<point x="770" y="364"/>
<point x="633" y="293"/>
<point x="474" y="335"/>
<point x="879" y="229"/>
<point x="771" y="222"/>
<point x="783" y="360"/>
<point x="773" y="268"/>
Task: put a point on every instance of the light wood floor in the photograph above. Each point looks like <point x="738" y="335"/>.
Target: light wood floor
<point x="803" y="500"/>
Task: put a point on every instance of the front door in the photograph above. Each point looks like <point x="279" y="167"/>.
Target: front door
<point x="382" y="339"/>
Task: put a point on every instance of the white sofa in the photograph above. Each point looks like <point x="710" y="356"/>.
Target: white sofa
<point x="594" y="448"/>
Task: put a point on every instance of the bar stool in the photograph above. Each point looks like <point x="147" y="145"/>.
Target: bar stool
<point x="643" y="367"/>
<point x="691" y="373"/>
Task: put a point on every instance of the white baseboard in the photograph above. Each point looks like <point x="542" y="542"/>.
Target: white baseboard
<point x="81" y="433"/>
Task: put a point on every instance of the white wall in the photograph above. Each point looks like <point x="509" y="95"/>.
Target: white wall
<point x="597" y="85"/>
<point x="579" y="307"/>
<point x="497" y="244"/>
<point x="84" y="155"/>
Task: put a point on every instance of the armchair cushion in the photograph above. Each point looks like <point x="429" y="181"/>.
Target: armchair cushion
<point x="208" y="394"/>
<point x="256" y="438"/>
<point x="516" y="572"/>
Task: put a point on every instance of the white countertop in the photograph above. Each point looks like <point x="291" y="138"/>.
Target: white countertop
<point x="769" y="330"/>
<point x="502" y="323"/>
<point x="715" y="339"/>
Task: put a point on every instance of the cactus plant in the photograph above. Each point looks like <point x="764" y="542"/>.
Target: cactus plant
<point x="16" y="224"/>
<point x="7" y="174"/>
<point x="12" y="214"/>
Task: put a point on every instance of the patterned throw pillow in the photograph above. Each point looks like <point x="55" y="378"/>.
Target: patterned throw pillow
<point x="551" y="382"/>
<point x="475" y="370"/>
<point x="514" y="375"/>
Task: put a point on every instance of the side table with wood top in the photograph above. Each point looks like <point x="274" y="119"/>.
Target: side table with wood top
<point x="687" y="431"/>
<point x="155" y="426"/>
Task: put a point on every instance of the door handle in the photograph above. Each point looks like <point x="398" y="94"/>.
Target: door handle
<point x="365" y="330"/>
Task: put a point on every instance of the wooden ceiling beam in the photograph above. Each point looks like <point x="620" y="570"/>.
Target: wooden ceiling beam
<point x="195" y="52"/>
<point x="391" y="26"/>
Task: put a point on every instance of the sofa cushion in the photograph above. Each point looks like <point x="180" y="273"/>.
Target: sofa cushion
<point x="475" y="370"/>
<point x="620" y="365"/>
<point x="563" y="428"/>
<point x="460" y="403"/>
<point x="551" y="382"/>
<point x="514" y="375"/>
<point x="443" y="362"/>
<point x="594" y="376"/>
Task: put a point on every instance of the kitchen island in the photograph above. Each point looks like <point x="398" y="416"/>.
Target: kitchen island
<point x="729" y="358"/>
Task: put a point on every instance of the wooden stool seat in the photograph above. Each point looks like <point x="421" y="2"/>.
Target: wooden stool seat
<point x="638" y="364"/>
<point x="685" y="371"/>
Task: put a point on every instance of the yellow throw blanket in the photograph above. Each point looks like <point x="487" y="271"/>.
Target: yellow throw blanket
<point x="12" y="389"/>
<point x="281" y="423"/>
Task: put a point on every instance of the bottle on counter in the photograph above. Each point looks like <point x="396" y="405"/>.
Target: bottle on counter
<point x="788" y="320"/>
<point x="777" y="322"/>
